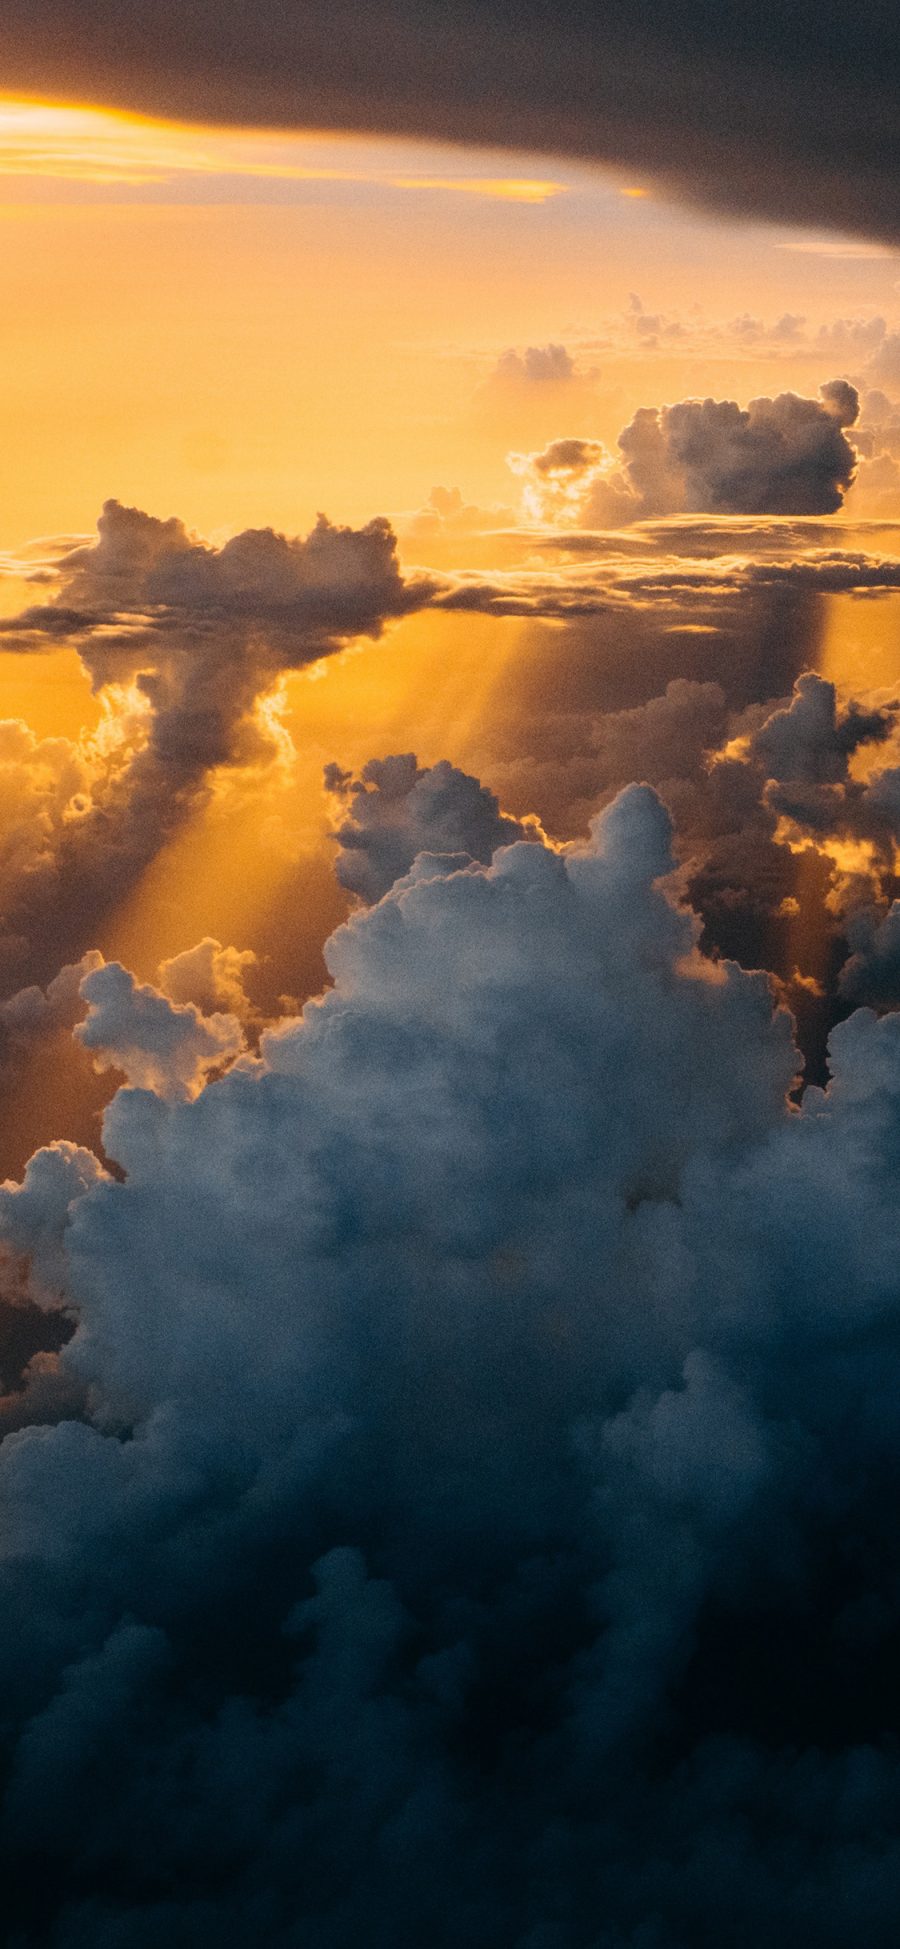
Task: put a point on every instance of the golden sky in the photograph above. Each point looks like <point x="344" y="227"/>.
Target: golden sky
<point x="244" y="328"/>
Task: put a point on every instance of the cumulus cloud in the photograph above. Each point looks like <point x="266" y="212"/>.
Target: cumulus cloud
<point x="205" y="631"/>
<point x="184" y="641"/>
<point x="398" y="809"/>
<point x="476" y="1524"/>
<point x="538" y="365"/>
<point x="573" y="480"/>
<point x="210" y="976"/>
<point x="448" y="526"/>
<point x="871" y="973"/>
<point x="786" y="455"/>
<point x="778" y="456"/>
<point x="32" y="1011"/>
<point x="884" y="363"/>
<point x="781" y="835"/>
<point x="804" y="751"/>
<point x="158" y="1044"/>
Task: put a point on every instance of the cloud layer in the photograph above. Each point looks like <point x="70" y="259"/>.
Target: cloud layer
<point x="798" y="123"/>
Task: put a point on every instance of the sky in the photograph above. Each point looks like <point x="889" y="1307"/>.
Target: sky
<point x="449" y="976"/>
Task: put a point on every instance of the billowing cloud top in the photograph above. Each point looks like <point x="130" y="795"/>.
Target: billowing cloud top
<point x="466" y="1504"/>
<point x="398" y="809"/>
<point x="786" y="455"/>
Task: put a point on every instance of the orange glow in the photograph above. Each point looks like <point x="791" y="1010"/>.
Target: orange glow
<point x="509" y="189"/>
<point x="51" y="693"/>
<point x="859" y="643"/>
<point x="97" y="145"/>
<point x="256" y="860"/>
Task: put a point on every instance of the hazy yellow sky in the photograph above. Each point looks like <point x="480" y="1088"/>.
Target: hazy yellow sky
<point x="245" y="328"/>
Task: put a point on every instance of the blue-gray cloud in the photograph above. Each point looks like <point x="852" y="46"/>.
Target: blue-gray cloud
<point x="478" y="1523"/>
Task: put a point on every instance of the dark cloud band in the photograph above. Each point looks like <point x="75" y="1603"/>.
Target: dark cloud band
<point x="790" y="112"/>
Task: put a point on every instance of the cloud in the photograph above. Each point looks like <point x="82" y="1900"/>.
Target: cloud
<point x="884" y="364"/>
<point x="777" y="456"/>
<point x="216" y="626"/>
<point x="538" y="365"/>
<point x="871" y="974"/>
<point x="157" y="1043"/>
<point x="678" y="585"/>
<point x="780" y="836"/>
<point x="34" y="1011"/>
<point x="448" y="526"/>
<point x="184" y="641"/>
<point x="573" y="480"/>
<point x="849" y="341"/>
<point x="798" y="126"/>
<point x="398" y="809"/>
<point x="477" y="1513"/>
<point x="203" y="633"/>
<point x="210" y="976"/>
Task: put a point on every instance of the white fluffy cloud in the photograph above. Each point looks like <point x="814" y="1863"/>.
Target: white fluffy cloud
<point x="158" y="1044"/>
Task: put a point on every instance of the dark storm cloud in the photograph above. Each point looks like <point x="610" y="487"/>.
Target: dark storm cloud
<point x="790" y="112"/>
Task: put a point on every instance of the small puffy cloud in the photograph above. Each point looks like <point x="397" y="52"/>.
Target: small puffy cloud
<point x="572" y="480"/>
<point x="209" y="976"/>
<point x="884" y="364"/>
<point x="851" y="341"/>
<point x="397" y="809"/>
<point x="448" y="526"/>
<point x="811" y="741"/>
<point x="158" y="1044"/>
<point x="35" y="1216"/>
<point x="537" y="365"/>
